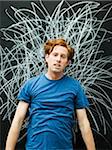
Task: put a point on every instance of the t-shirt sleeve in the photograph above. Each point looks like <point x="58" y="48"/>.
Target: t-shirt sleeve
<point x="25" y="92"/>
<point x="81" y="99"/>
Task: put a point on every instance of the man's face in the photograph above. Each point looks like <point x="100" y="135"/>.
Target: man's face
<point x="57" y="60"/>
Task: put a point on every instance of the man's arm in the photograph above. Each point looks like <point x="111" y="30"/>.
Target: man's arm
<point x="16" y="125"/>
<point x="85" y="128"/>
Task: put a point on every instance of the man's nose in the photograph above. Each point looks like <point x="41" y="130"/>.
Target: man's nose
<point x="58" y="58"/>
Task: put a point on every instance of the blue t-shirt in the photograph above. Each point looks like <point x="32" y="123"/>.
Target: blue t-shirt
<point x="51" y="111"/>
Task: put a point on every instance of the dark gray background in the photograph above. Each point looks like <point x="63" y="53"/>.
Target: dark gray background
<point x="5" y="21"/>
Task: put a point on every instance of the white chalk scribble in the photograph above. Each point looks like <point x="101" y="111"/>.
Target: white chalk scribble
<point x="80" y="26"/>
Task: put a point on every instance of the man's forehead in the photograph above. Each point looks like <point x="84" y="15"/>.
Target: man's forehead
<point x="59" y="48"/>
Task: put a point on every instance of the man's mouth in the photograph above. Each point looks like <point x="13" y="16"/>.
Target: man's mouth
<point x="57" y="65"/>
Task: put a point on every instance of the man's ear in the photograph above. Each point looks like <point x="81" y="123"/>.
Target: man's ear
<point x="69" y="62"/>
<point x="46" y="57"/>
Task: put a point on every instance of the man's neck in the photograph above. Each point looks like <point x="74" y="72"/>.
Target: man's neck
<point x="54" y="76"/>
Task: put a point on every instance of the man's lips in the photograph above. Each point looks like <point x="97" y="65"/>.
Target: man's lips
<point x="57" y="65"/>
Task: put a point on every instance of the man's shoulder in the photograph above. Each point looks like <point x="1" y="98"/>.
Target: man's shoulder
<point x="33" y="79"/>
<point x="72" y="79"/>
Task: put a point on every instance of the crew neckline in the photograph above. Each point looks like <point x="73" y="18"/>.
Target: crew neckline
<point x="54" y="79"/>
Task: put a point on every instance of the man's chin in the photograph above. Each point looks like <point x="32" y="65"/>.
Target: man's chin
<point x="57" y="70"/>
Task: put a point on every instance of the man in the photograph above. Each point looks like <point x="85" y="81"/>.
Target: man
<point x="51" y="99"/>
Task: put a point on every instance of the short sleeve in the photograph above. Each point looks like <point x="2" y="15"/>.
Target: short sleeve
<point x="24" y="92"/>
<point x="81" y="99"/>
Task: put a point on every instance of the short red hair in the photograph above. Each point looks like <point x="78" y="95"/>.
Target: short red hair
<point x="50" y="44"/>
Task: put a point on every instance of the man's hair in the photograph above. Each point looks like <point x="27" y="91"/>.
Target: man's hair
<point x="50" y="44"/>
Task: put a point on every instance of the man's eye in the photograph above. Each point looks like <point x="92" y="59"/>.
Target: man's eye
<point x="63" y="56"/>
<point x="55" y="54"/>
